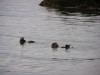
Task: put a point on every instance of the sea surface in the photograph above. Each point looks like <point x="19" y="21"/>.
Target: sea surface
<point x="25" y="18"/>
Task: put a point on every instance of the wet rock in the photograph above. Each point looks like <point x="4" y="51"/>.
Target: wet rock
<point x="73" y="5"/>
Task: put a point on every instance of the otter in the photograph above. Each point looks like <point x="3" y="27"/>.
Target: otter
<point x="22" y="40"/>
<point x="66" y="46"/>
<point x="54" y="45"/>
<point x="31" y="41"/>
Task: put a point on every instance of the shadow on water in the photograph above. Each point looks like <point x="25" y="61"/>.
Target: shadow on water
<point x="73" y="18"/>
<point x="84" y="13"/>
<point x="70" y="12"/>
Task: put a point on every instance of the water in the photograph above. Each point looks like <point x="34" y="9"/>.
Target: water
<point x="44" y="25"/>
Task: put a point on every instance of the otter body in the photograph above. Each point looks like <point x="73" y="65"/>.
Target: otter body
<point x="66" y="46"/>
<point x="31" y="41"/>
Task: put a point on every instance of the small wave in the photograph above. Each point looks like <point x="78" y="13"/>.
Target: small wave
<point x="10" y="35"/>
<point x="75" y="59"/>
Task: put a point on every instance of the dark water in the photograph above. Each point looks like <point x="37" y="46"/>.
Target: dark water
<point x="44" y="25"/>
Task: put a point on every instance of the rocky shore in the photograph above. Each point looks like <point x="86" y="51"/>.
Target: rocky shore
<point x="73" y="5"/>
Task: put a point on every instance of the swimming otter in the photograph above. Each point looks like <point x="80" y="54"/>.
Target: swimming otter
<point x="66" y="46"/>
<point x="31" y="41"/>
<point x="22" y="40"/>
<point x="54" y="45"/>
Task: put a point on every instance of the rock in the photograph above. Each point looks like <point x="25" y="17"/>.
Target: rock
<point x="73" y="5"/>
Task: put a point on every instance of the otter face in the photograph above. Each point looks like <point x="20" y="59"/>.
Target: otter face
<point x="54" y="45"/>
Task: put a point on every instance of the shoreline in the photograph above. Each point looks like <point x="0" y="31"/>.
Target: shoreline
<point x="71" y="8"/>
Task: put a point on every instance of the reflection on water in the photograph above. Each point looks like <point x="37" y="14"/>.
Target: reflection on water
<point x="25" y="18"/>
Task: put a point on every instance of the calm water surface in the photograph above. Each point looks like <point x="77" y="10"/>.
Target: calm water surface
<point x="44" y="25"/>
